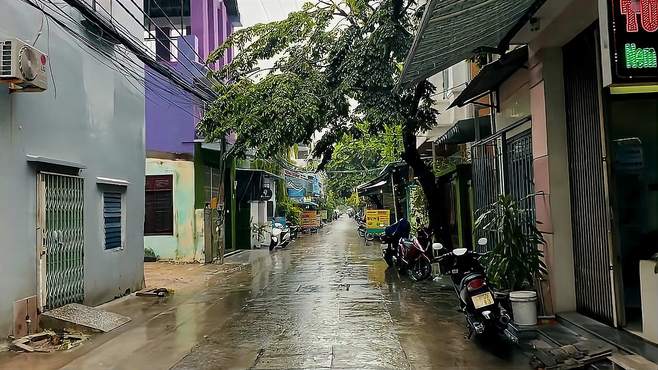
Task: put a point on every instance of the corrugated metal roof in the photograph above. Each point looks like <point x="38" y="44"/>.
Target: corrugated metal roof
<point x="454" y="30"/>
<point x="464" y="131"/>
<point x="492" y="76"/>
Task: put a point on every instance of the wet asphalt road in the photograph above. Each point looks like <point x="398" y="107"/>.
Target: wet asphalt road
<point x="329" y="301"/>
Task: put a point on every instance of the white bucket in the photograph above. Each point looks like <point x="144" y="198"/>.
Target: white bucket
<point x="524" y="307"/>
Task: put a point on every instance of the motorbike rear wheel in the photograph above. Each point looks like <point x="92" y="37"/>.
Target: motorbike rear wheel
<point x="420" y="270"/>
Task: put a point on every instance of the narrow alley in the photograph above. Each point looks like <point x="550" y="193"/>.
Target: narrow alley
<point x="330" y="302"/>
<point x="327" y="301"/>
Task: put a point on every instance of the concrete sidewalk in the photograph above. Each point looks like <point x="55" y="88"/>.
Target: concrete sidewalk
<point x="162" y="330"/>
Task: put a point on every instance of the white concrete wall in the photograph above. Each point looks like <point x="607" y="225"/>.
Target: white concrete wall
<point x="457" y="75"/>
<point x="95" y="119"/>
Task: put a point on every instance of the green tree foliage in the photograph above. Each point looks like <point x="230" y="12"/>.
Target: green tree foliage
<point x="419" y="216"/>
<point x="289" y="209"/>
<point x="355" y="161"/>
<point x="354" y="201"/>
<point x="334" y="68"/>
<point x="329" y="203"/>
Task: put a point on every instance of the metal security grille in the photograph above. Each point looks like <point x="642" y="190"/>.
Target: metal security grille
<point x="61" y="228"/>
<point x="519" y="179"/>
<point x="486" y="180"/>
<point x="504" y="165"/>
<point x="589" y="207"/>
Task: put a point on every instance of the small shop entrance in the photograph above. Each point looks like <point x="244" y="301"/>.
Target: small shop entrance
<point x="632" y="125"/>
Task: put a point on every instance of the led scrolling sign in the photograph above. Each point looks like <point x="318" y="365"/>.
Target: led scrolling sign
<point x="634" y="40"/>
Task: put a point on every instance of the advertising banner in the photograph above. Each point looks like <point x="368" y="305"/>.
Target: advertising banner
<point x="310" y="219"/>
<point x="377" y="219"/>
<point x="296" y="186"/>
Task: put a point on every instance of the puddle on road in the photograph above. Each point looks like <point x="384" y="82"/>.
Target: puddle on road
<point x="293" y="309"/>
<point x="306" y="317"/>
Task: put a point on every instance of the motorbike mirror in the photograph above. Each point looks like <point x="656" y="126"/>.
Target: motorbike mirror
<point x="437" y="246"/>
<point x="459" y="251"/>
<point x="483" y="241"/>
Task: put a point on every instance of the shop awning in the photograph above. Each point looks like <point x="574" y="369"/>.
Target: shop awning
<point x="377" y="182"/>
<point x="453" y="31"/>
<point x="376" y="185"/>
<point x="308" y="205"/>
<point x="464" y="131"/>
<point x="492" y="76"/>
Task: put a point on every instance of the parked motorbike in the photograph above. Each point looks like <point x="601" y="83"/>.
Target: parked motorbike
<point x="280" y="236"/>
<point x="411" y="255"/>
<point x="484" y="312"/>
<point x="294" y="230"/>
<point x="391" y="238"/>
<point x="415" y="255"/>
<point x="362" y="229"/>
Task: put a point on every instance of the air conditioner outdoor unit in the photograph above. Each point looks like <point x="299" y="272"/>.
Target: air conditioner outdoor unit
<point x="22" y="66"/>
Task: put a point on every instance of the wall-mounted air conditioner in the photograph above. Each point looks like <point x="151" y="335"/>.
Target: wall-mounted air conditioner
<point x="22" y="66"/>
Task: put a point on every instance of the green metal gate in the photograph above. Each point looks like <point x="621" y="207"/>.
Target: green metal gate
<point x="60" y="239"/>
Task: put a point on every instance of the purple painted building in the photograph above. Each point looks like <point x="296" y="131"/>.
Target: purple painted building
<point x="182" y="174"/>
<point x="172" y="114"/>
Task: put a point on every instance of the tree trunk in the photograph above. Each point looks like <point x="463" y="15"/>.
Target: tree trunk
<point x="427" y="181"/>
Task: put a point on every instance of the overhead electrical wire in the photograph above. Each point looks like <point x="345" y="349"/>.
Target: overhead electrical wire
<point x="157" y="40"/>
<point x="172" y="25"/>
<point x="170" y="40"/>
<point x="122" y="69"/>
<point x="137" y="50"/>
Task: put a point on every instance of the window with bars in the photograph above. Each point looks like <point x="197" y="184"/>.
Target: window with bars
<point x="159" y="205"/>
<point x="113" y="219"/>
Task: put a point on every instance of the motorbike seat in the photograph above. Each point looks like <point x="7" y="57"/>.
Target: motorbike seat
<point x="407" y="242"/>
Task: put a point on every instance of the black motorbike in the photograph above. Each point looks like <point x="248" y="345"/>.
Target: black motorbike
<point x="391" y="238"/>
<point x="485" y="314"/>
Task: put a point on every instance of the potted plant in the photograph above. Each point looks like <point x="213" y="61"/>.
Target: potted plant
<point x="515" y="261"/>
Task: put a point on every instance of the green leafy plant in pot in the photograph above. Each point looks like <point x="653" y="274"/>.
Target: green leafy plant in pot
<point x="515" y="261"/>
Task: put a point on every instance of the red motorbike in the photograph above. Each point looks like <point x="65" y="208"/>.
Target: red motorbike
<point x="415" y="255"/>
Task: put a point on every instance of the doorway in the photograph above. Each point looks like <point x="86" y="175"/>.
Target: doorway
<point x="592" y="250"/>
<point x="632" y="127"/>
<point x="60" y="240"/>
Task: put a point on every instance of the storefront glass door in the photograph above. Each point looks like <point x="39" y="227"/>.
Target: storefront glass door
<point x="633" y="142"/>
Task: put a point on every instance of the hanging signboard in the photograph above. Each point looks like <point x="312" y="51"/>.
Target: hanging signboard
<point x="377" y="219"/>
<point x="633" y="40"/>
<point x="310" y="219"/>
